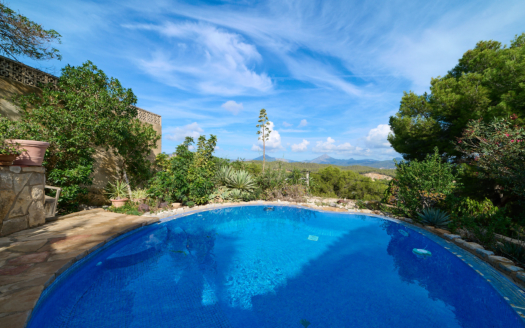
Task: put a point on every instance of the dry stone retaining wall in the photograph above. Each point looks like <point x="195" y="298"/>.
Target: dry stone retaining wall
<point x="21" y="198"/>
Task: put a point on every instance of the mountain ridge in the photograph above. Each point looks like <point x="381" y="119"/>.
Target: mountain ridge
<point x="325" y="159"/>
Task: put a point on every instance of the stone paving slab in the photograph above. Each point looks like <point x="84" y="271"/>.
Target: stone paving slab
<point x="31" y="259"/>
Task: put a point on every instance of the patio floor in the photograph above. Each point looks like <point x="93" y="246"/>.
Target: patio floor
<point x="31" y="259"/>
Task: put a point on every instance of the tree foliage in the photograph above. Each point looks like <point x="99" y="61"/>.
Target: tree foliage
<point x="85" y="112"/>
<point x="190" y="175"/>
<point x="487" y="82"/>
<point x="21" y="36"/>
<point x="497" y="148"/>
<point x="423" y="184"/>
<point x="334" y="182"/>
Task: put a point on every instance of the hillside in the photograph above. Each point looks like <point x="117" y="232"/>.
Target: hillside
<point x="314" y="167"/>
<point x="325" y="159"/>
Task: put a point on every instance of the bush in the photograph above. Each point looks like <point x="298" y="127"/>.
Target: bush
<point x="423" y="184"/>
<point x="189" y="176"/>
<point x="333" y="182"/>
<point x="290" y="193"/>
<point x="129" y="208"/>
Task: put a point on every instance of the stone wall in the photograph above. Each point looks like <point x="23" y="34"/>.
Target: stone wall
<point x="21" y="198"/>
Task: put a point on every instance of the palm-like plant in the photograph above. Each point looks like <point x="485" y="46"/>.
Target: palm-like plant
<point x="434" y="217"/>
<point x="241" y="180"/>
<point x="117" y="191"/>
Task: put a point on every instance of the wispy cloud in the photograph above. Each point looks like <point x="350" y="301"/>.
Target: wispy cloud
<point x="206" y="59"/>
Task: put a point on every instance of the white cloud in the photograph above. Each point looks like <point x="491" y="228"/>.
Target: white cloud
<point x="377" y="137"/>
<point x="179" y="133"/>
<point x="213" y="61"/>
<point x="329" y="146"/>
<point x="301" y="147"/>
<point x="303" y="123"/>
<point x="233" y="107"/>
<point x="286" y="124"/>
<point x="273" y="143"/>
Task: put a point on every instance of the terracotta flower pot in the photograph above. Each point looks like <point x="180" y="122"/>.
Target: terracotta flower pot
<point x="34" y="154"/>
<point x="118" y="202"/>
<point x="7" y="159"/>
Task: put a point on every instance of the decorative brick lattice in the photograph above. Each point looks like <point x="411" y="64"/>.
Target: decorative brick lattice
<point x="148" y="117"/>
<point x="24" y="74"/>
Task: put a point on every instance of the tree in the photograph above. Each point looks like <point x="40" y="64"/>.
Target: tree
<point x="189" y="177"/>
<point x="263" y="132"/>
<point x="487" y="82"/>
<point x="497" y="148"/>
<point x="21" y="36"/>
<point x="85" y="112"/>
<point x="423" y="184"/>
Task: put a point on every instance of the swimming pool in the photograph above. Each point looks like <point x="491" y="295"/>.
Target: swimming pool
<point x="258" y="266"/>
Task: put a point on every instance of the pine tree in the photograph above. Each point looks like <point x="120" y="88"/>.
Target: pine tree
<point x="263" y="132"/>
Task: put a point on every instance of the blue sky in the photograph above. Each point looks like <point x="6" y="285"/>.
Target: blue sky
<point x="329" y="73"/>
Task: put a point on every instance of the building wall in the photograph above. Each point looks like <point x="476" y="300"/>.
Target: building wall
<point x="20" y="79"/>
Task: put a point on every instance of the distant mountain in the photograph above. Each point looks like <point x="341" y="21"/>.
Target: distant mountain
<point x="273" y="159"/>
<point x="325" y="159"/>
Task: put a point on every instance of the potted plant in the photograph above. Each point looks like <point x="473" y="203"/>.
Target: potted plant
<point x="117" y="193"/>
<point x="139" y="195"/>
<point x="9" y="152"/>
<point x="32" y="153"/>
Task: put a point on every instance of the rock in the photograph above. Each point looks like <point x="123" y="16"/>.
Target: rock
<point x="484" y="253"/>
<point x="14" y="225"/>
<point x="15" y="169"/>
<point x="163" y="205"/>
<point x="451" y="237"/>
<point x="500" y="259"/>
<point x="36" y="214"/>
<point x="143" y="208"/>
<point x="521" y="276"/>
<point x="473" y="246"/>
<point x="510" y="269"/>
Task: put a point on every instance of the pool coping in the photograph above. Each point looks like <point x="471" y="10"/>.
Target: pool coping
<point x="508" y="289"/>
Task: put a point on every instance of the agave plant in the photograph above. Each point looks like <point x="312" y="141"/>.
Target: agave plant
<point x="223" y="174"/>
<point x="118" y="190"/>
<point x="434" y="217"/>
<point x="241" y="180"/>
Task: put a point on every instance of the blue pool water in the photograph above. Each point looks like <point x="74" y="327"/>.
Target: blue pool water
<point x="290" y="267"/>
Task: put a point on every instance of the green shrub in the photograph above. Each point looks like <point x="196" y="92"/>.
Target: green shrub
<point x="333" y="182"/>
<point x="434" y="217"/>
<point x="423" y="184"/>
<point x="129" y="208"/>
<point x="189" y="177"/>
<point x="514" y="251"/>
